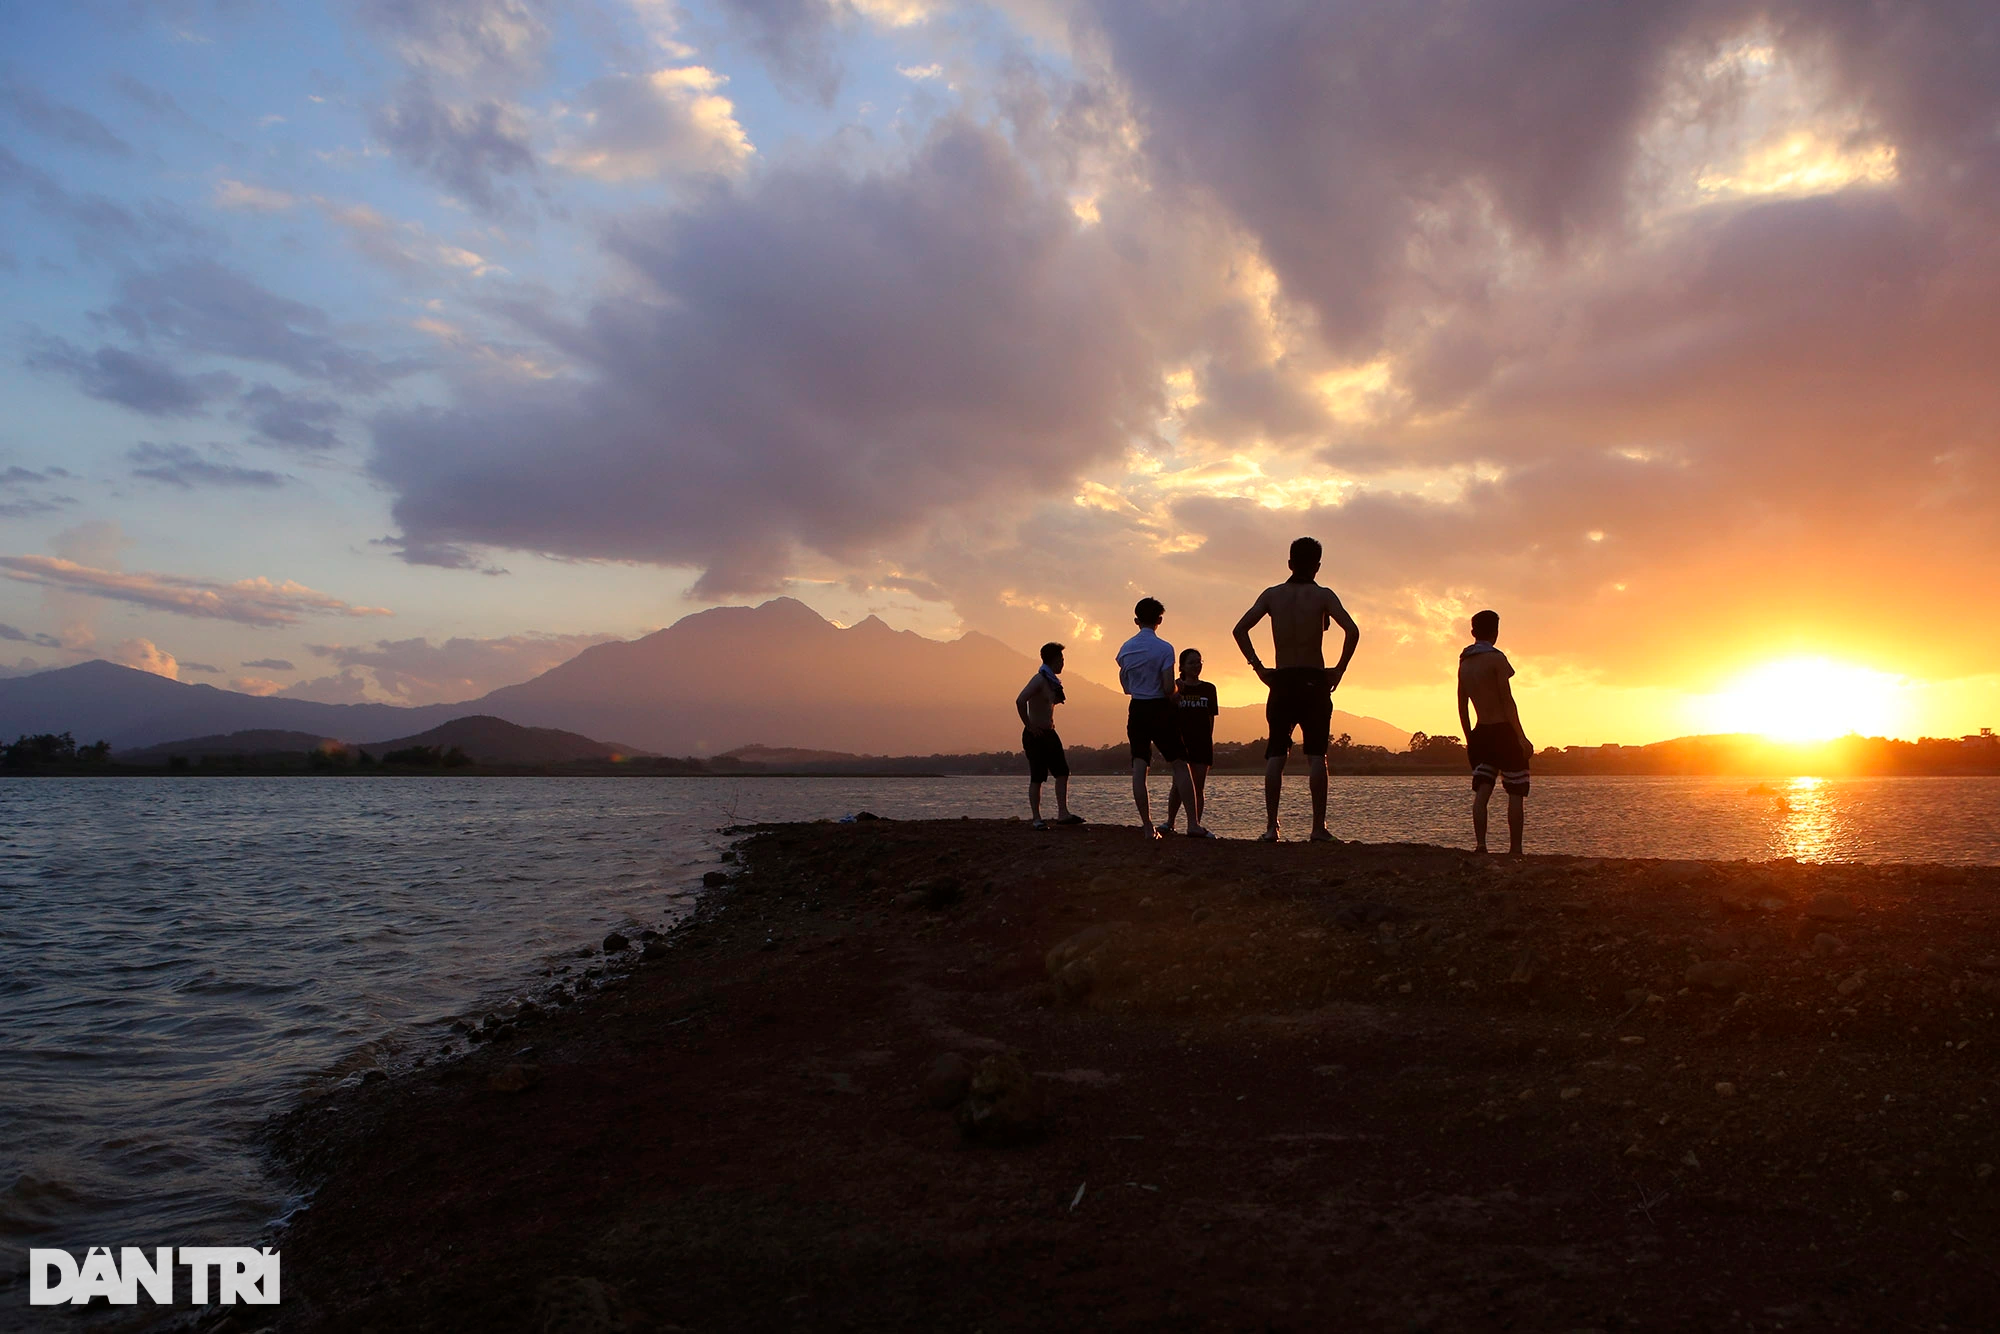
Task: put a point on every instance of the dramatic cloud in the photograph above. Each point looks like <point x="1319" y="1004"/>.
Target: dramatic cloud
<point x="130" y="379"/>
<point x="146" y="656"/>
<point x="820" y="359"/>
<point x="178" y="465"/>
<point x="248" y="601"/>
<point x="632" y="127"/>
<point x="416" y="671"/>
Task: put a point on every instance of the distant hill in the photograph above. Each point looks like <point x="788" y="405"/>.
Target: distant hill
<point x="132" y="709"/>
<point x="489" y="740"/>
<point x="776" y="755"/>
<point x="777" y="675"/>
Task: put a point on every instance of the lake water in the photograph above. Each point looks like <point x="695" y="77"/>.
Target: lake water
<point x="180" y="957"/>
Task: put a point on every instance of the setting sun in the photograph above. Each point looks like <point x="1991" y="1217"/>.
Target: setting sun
<point x="1808" y="699"/>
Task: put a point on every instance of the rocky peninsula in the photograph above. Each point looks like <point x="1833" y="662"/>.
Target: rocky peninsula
<point x="964" y="1075"/>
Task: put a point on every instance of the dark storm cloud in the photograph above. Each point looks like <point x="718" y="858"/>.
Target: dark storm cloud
<point x="200" y="306"/>
<point x="18" y="636"/>
<point x="180" y="466"/>
<point x="68" y="125"/>
<point x="130" y="379"/>
<point x="817" y="360"/>
<point x="292" y="420"/>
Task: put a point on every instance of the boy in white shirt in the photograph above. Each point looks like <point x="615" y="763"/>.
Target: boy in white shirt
<point x="1146" y="669"/>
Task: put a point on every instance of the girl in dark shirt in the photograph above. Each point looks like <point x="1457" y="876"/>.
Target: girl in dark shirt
<point x="1196" y="706"/>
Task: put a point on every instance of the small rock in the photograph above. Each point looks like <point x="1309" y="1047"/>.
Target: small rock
<point x="513" y="1078"/>
<point x="1937" y="958"/>
<point x="1725" y="1089"/>
<point x="949" y="1080"/>
<point x="1899" y="1197"/>
<point x="714" y="879"/>
<point x="374" y="1075"/>
<point x="1725" y="975"/>
<point x="616" y="941"/>
<point x="937" y="892"/>
<point x="653" y="952"/>
<point x="910" y="899"/>
<point x="1527" y="967"/>
<point x="1832" y="908"/>
<point x="1850" y="985"/>
<point x="1826" y="946"/>
<point x="1002" y="1104"/>
<point x="1572" y="1092"/>
<point x="1633" y="1041"/>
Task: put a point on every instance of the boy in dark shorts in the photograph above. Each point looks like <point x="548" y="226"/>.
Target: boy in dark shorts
<point x="1197" y="711"/>
<point x="1146" y="673"/>
<point x="1302" y="685"/>
<point x="1498" y="748"/>
<point x="1037" y="706"/>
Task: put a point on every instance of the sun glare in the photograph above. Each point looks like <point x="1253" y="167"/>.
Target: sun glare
<point x="1809" y="699"/>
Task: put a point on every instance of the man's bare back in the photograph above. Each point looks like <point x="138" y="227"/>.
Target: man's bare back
<point x="1301" y="614"/>
<point x="1482" y="678"/>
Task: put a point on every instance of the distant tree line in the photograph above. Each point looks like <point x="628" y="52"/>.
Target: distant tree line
<point x="50" y="749"/>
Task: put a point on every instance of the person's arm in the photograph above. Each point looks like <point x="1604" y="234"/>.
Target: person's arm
<point x="1464" y="707"/>
<point x="1514" y="715"/>
<point x="1021" y="700"/>
<point x="1340" y="618"/>
<point x="1258" y="611"/>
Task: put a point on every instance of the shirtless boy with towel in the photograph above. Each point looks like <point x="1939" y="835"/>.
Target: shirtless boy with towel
<point x="1497" y="747"/>
<point x="1301" y="684"/>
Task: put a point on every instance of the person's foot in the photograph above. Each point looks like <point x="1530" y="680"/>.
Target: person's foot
<point x="1480" y="850"/>
<point x="1039" y="823"/>
<point x="1268" y="836"/>
<point x="1152" y="834"/>
<point x="1323" y="835"/>
<point x="1200" y="831"/>
<point x="1069" y="817"/>
<point x="1164" y="828"/>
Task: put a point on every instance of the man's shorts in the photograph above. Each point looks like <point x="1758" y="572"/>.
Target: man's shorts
<point x="1496" y="753"/>
<point x="1199" y="748"/>
<point x="1301" y="697"/>
<point x="1154" y="722"/>
<point x="1045" y="755"/>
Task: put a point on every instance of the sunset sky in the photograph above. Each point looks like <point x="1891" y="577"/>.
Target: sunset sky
<point x="399" y="349"/>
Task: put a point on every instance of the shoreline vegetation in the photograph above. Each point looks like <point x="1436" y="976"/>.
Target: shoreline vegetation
<point x="951" y="1074"/>
<point x="249" y="753"/>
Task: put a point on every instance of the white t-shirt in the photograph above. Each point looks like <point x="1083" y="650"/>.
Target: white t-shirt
<point x="1146" y="665"/>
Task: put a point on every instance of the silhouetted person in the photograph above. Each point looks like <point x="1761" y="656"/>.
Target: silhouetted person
<point x="1497" y="747"/>
<point x="1302" y="685"/>
<point x="1037" y="706"/>
<point x="1146" y="673"/>
<point x="1197" y="710"/>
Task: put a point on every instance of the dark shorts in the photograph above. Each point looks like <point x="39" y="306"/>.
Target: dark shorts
<point x="1496" y="754"/>
<point x="1199" y="747"/>
<point x="1154" y="722"/>
<point x="1045" y="755"/>
<point x="1300" y="697"/>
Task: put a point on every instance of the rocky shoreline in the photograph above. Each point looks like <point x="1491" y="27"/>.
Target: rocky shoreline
<point x="962" y="1074"/>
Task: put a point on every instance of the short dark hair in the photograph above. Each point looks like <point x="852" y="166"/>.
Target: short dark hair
<point x="1307" y="551"/>
<point x="1051" y="651"/>
<point x="1187" y="653"/>
<point x="1485" y="624"/>
<point x="1148" y="611"/>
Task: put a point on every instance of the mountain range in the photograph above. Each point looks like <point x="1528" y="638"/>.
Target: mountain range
<point x="777" y="675"/>
<point x="484" y="740"/>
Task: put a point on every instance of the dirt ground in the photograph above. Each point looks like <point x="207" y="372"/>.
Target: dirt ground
<point x="1213" y="1085"/>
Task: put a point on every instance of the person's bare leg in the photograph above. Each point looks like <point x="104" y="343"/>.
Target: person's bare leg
<point x="1174" y="805"/>
<point x="1517" y="816"/>
<point x="1184" y="788"/>
<point x="1035" y="798"/>
<point x="1139" y="797"/>
<point x="1316" y="778"/>
<point x="1062" y="796"/>
<point x="1199" y="772"/>
<point x="1481" y="794"/>
<point x="1274" y="784"/>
